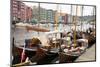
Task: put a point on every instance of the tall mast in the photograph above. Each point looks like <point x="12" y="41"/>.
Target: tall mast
<point x="60" y="18"/>
<point x="56" y="18"/>
<point x="38" y="16"/>
<point x="75" y="22"/>
<point x="70" y="16"/>
<point x="94" y="16"/>
<point x="82" y="16"/>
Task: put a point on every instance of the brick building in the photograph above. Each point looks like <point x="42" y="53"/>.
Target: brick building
<point x="65" y="18"/>
<point x="28" y="14"/>
<point x="20" y="11"/>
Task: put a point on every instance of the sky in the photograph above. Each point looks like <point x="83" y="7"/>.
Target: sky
<point x="87" y="10"/>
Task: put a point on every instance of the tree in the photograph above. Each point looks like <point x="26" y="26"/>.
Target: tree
<point x="34" y="21"/>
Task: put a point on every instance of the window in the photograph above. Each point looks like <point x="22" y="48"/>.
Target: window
<point x="19" y="5"/>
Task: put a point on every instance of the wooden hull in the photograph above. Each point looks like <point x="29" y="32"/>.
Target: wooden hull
<point x="69" y="57"/>
<point x="63" y="58"/>
<point x="17" y="52"/>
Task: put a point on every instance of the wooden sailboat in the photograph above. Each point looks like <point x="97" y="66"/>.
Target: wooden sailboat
<point x="31" y="45"/>
<point x="71" y="52"/>
<point x="41" y="54"/>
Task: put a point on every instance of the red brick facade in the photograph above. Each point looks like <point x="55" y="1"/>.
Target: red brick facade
<point x="65" y="18"/>
<point x="20" y="11"/>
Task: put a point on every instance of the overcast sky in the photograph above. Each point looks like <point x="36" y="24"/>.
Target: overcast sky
<point x="88" y="10"/>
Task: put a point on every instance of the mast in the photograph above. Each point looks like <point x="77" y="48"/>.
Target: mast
<point x="82" y="16"/>
<point x="56" y="18"/>
<point x="38" y="16"/>
<point x="94" y="15"/>
<point x="60" y="18"/>
<point x="75" y="22"/>
<point x="56" y="22"/>
<point x="70" y="16"/>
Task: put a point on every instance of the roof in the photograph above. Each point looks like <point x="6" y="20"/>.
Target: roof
<point x="32" y="27"/>
<point x="53" y="32"/>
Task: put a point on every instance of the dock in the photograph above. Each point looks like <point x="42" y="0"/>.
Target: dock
<point x="89" y="55"/>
